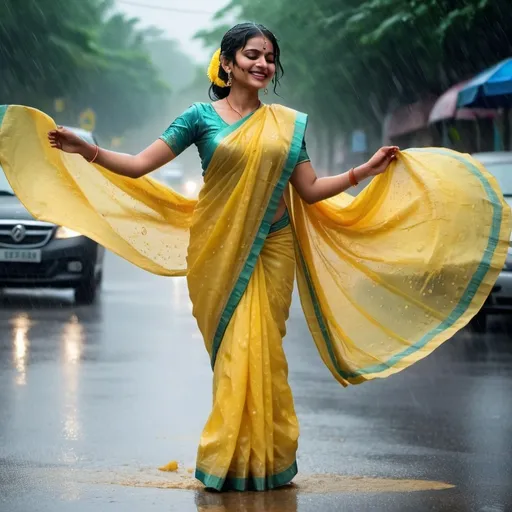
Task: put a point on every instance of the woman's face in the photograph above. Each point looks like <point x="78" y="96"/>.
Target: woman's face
<point x="255" y="64"/>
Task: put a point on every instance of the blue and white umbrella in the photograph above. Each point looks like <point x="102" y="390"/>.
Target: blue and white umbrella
<point x="490" y="89"/>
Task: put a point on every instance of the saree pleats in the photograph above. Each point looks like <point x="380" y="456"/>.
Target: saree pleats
<point x="385" y="278"/>
<point x="250" y="439"/>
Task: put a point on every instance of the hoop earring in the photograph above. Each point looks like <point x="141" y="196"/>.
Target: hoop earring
<point x="230" y="80"/>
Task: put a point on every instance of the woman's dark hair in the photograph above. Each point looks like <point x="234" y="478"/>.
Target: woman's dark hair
<point x="235" y="39"/>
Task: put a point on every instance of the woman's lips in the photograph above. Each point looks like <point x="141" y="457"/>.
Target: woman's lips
<point x="258" y="75"/>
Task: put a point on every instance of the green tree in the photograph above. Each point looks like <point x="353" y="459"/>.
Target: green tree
<point x="81" y="51"/>
<point x="42" y="43"/>
<point x="349" y="62"/>
<point x="124" y="87"/>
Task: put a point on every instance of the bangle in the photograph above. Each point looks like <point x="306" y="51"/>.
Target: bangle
<point x="352" y="178"/>
<point x="95" y="154"/>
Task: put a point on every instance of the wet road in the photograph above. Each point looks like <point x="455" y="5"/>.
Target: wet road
<point x="94" y="399"/>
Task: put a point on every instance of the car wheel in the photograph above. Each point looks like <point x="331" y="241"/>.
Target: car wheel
<point x="479" y="323"/>
<point x="86" y="291"/>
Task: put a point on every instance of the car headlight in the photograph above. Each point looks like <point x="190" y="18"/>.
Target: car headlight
<point x="63" y="232"/>
<point x="190" y="187"/>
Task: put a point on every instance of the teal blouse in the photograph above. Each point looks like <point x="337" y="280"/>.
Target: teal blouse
<point x="199" y="125"/>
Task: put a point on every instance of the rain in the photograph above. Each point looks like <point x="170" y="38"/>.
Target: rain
<point x="105" y="383"/>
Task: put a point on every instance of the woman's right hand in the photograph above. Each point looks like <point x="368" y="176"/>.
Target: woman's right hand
<point x="67" y="141"/>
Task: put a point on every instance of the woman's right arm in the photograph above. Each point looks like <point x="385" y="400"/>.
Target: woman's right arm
<point x="133" y="166"/>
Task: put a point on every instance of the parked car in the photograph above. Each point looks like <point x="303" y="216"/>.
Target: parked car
<point x="499" y="164"/>
<point x="36" y="254"/>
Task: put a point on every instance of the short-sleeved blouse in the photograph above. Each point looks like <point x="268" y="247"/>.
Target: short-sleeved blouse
<point x="198" y="125"/>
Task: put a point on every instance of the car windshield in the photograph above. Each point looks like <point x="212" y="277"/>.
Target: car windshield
<point x="502" y="171"/>
<point x="5" y="187"/>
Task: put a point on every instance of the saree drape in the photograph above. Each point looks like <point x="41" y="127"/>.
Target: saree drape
<point x="387" y="277"/>
<point x="384" y="278"/>
<point x="250" y="439"/>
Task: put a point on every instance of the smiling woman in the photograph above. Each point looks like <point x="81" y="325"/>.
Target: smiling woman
<point x="383" y="278"/>
<point x="250" y="56"/>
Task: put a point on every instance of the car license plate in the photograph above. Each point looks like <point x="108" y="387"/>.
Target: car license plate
<point x="20" y="255"/>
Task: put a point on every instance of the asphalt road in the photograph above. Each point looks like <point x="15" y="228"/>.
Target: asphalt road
<point x="94" y="399"/>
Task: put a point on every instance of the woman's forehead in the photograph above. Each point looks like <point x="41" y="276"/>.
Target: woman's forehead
<point x="260" y="43"/>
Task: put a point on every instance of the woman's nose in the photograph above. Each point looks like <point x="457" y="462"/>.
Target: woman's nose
<point x="262" y="61"/>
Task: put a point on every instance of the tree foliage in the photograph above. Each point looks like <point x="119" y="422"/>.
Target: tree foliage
<point x="349" y="62"/>
<point x="83" y="52"/>
<point x="40" y="47"/>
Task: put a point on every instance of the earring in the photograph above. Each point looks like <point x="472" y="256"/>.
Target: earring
<point x="265" y="91"/>
<point x="230" y="80"/>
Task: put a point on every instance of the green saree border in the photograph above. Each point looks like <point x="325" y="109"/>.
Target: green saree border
<point x="247" y="484"/>
<point x="248" y="268"/>
<point x="3" y="110"/>
<point x="462" y="305"/>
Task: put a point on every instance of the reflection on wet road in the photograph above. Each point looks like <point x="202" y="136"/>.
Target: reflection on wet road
<point x="95" y="399"/>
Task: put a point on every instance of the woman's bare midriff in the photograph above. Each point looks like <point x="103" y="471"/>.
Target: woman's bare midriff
<point x="281" y="208"/>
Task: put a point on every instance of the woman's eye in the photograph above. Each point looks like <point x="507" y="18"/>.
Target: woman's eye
<point x="255" y="56"/>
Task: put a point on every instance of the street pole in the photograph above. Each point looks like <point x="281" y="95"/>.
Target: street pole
<point x="506" y="129"/>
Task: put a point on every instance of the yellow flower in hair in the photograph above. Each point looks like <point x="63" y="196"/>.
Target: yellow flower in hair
<point x="213" y="70"/>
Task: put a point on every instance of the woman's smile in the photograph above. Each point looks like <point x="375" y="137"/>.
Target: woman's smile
<point x="259" y="75"/>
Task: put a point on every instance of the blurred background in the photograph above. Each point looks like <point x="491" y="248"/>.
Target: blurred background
<point x="367" y="72"/>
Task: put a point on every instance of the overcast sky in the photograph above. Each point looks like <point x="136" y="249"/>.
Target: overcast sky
<point x="177" y="25"/>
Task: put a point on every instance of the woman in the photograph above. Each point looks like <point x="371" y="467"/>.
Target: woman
<point x="384" y="279"/>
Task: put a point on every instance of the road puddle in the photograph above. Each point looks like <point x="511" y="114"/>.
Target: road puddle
<point x="303" y="484"/>
<point x="284" y="499"/>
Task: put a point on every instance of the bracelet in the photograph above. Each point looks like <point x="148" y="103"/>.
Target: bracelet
<point x="95" y="155"/>
<point x="352" y="178"/>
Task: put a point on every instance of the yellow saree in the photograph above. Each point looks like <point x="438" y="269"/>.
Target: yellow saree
<point x="384" y="278"/>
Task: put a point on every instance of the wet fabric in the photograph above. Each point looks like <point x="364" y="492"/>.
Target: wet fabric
<point x="140" y="220"/>
<point x="250" y="439"/>
<point x="384" y="278"/>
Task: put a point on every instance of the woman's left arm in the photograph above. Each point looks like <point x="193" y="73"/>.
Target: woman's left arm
<point x="312" y="189"/>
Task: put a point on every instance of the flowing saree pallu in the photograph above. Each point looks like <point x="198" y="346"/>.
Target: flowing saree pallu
<point x="386" y="277"/>
<point x="141" y="220"/>
<point x="240" y="274"/>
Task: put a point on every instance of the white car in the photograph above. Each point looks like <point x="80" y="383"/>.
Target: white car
<point x="499" y="164"/>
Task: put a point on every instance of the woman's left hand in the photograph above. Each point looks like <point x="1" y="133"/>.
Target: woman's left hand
<point x="379" y="162"/>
